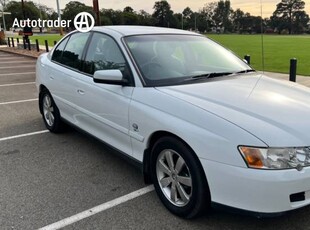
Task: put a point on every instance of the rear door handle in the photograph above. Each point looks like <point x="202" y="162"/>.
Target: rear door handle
<point x="81" y="91"/>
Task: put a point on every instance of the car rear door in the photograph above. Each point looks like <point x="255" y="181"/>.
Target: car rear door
<point x="65" y="66"/>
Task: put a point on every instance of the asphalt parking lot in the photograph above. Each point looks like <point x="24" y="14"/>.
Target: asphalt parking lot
<point x="46" y="178"/>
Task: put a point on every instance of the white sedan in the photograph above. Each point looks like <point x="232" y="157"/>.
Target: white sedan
<point x="206" y="128"/>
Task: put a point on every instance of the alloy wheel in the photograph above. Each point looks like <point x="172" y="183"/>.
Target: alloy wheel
<point x="174" y="177"/>
<point x="48" y="110"/>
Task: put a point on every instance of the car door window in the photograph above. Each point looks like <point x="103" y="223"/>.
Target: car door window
<point x="104" y="54"/>
<point x="72" y="54"/>
<point x="57" y="54"/>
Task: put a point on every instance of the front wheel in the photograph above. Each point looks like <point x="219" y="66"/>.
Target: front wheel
<point x="178" y="178"/>
<point x="50" y="112"/>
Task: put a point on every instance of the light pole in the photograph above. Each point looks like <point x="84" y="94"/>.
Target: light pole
<point x="4" y="27"/>
<point x="41" y="29"/>
<point x="3" y="13"/>
<point x="195" y="22"/>
<point x="3" y="3"/>
<point x="59" y="17"/>
<point x="96" y="10"/>
<point x="182" y="22"/>
<point x="23" y="9"/>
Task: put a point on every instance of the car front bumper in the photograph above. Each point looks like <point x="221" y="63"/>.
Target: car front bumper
<point x="259" y="191"/>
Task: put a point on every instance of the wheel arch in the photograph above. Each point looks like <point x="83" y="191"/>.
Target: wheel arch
<point x="41" y="89"/>
<point x="154" y="137"/>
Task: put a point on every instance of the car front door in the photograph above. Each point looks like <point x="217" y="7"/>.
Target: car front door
<point x="104" y="107"/>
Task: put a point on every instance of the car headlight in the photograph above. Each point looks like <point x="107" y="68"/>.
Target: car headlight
<point x="276" y="158"/>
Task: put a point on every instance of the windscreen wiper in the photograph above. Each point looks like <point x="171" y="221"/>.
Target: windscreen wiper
<point x="213" y="75"/>
<point x="245" y="71"/>
<point x="207" y="75"/>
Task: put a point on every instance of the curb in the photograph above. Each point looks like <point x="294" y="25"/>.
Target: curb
<point x="21" y="54"/>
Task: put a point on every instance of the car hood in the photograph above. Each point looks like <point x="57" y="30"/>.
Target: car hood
<point x="277" y="112"/>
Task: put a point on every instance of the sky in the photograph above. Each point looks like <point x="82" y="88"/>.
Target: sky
<point x="251" y="6"/>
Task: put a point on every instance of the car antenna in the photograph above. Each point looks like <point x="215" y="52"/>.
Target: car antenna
<point x="262" y="35"/>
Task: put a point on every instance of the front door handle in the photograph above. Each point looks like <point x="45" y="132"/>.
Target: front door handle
<point x="81" y="91"/>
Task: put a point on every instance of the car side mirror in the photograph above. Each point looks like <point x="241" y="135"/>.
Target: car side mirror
<point x="110" y="76"/>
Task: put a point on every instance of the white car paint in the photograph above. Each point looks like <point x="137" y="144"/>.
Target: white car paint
<point x="213" y="118"/>
<point x="262" y="106"/>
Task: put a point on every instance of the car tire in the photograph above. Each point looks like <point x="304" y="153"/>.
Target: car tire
<point x="50" y="112"/>
<point x="179" y="179"/>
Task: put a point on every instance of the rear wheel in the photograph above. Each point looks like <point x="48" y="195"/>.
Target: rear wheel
<point x="179" y="178"/>
<point x="50" y="113"/>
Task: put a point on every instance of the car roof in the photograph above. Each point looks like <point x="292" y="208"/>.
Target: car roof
<point x="140" y="30"/>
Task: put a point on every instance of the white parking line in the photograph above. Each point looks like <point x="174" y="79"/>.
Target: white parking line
<point x="10" y="57"/>
<point x="97" y="209"/>
<point x="9" y="74"/>
<point x="15" y="102"/>
<point x="10" y="62"/>
<point x="23" y="135"/>
<point x="14" y="67"/>
<point x="15" y="84"/>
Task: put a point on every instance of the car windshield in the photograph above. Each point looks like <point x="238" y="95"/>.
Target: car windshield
<point x="181" y="59"/>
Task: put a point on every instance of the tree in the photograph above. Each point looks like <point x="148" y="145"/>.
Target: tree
<point x="207" y="13"/>
<point x="46" y="12"/>
<point x="238" y="18"/>
<point x="222" y="15"/>
<point x="31" y="11"/>
<point x="175" y="21"/>
<point x="286" y="14"/>
<point x="73" y="8"/>
<point x="162" y="13"/>
<point x="246" y="23"/>
<point x="128" y="9"/>
<point x="187" y="13"/>
<point x="129" y="16"/>
<point x="187" y="18"/>
<point x="251" y="24"/>
<point x="126" y="17"/>
<point x="112" y="17"/>
<point x="53" y="16"/>
<point x="202" y="23"/>
<point x="145" y="18"/>
<point x="104" y="19"/>
<point x="301" y="21"/>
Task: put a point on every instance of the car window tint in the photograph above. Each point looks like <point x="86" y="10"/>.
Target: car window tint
<point x="57" y="54"/>
<point x="103" y="54"/>
<point x="160" y="59"/>
<point x="170" y="59"/>
<point x="74" y="49"/>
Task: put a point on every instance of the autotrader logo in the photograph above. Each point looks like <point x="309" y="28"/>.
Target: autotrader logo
<point x="84" y="22"/>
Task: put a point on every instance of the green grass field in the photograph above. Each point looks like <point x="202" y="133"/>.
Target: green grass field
<point x="278" y="50"/>
<point x="50" y="38"/>
<point x="41" y="38"/>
